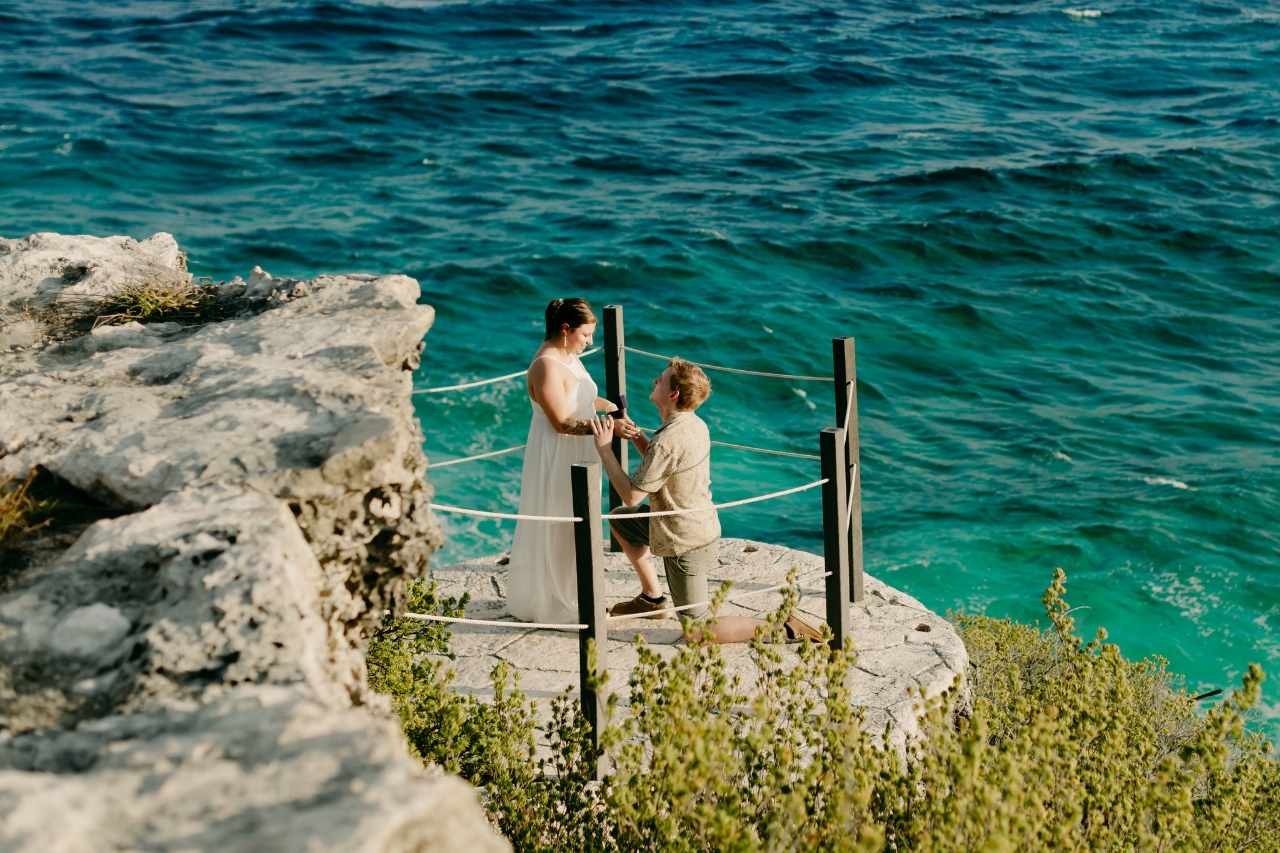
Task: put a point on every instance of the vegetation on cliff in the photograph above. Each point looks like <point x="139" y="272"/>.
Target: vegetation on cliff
<point x="1070" y="746"/>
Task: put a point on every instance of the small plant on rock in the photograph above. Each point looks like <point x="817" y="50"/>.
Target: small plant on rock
<point x="154" y="293"/>
<point x="19" y="512"/>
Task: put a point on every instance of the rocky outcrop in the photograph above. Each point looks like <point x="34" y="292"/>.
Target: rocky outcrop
<point x="262" y="768"/>
<point x="190" y="673"/>
<point x="43" y="269"/>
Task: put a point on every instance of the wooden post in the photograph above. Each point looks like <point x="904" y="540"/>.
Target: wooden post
<point x="846" y="373"/>
<point x="588" y="546"/>
<point x="615" y="383"/>
<point x="834" y="533"/>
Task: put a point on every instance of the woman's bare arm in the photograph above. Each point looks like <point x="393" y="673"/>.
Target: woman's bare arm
<point x="546" y="387"/>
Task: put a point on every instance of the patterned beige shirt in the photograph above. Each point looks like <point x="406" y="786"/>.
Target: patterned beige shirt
<point x="676" y="471"/>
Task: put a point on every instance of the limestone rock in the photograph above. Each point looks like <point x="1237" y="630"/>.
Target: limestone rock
<point x="308" y="402"/>
<point x="262" y="768"/>
<point x="210" y="588"/>
<point x="189" y="674"/>
<point x="45" y="268"/>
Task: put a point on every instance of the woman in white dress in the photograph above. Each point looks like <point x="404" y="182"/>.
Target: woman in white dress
<point x="541" y="576"/>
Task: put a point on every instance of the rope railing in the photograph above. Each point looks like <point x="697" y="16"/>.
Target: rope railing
<point x="790" y="453"/>
<point x="480" y="513"/>
<point x="480" y="382"/>
<point x="743" y="502"/>
<point x="493" y="453"/>
<point x="749" y="447"/>
<point x="477" y="456"/>
<point x="738" y="597"/>
<point x="530" y="626"/>
<point x="495" y="623"/>
<point x="735" y="369"/>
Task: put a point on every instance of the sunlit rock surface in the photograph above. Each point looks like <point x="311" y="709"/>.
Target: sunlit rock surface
<point x="187" y="672"/>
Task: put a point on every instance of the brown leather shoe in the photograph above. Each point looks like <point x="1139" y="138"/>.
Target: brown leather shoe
<point x="639" y="607"/>
<point x="802" y="626"/>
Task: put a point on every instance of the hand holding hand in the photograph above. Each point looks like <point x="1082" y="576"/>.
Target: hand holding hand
<point x="626" y="428"/>
<point x="602" y="429"/>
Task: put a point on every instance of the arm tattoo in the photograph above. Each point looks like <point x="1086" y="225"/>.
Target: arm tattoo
<point x="577" y="426"/>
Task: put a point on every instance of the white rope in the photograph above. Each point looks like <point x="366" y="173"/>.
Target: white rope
<point x="493" y="453"/>
<point x="853" y="491"/>
<point x="479" y="513"/>
<point x="487" y="381"/>
<point x="705" y="603"/>
<point x="480" y="456"/>
<point x="747" y="447"/>
<point x="717" y="506"/>
<point x="735" y="369"/>
<point x="763" y="450"/>
<point x="431" y="617"/>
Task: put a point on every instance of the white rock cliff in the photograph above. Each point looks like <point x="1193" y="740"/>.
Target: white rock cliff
<point x="189" y="673"/>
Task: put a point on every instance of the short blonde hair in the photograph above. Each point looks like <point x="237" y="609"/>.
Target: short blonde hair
<point x="691" y="382"/>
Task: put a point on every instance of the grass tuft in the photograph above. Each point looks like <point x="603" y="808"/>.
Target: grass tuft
<point x="18" y="510"/>
<point x="154" y="293"/>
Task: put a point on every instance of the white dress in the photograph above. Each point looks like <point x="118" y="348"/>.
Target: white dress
<point x="542" y="582"/>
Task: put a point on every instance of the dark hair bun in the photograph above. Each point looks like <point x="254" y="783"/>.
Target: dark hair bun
<point x="576" y="312"/>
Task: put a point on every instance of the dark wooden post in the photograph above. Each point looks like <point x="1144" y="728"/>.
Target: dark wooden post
<point x="615" y="383"/>
<point x="835" y="541"/>
<point x="846" y="373"/>
<point x="588" y="546"/>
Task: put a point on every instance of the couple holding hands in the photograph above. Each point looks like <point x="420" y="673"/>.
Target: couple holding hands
<point x="572" y="423"/>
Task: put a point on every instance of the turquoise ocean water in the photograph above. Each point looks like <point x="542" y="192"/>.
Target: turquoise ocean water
<point x="1052" y="229"/>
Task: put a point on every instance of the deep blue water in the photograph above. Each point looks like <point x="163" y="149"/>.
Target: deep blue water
<point x="1053" y="235"/>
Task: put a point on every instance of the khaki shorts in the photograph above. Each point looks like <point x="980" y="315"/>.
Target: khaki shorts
<point x="686" y="574"/>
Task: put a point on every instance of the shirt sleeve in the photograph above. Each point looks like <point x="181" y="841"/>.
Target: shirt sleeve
<point x="657" y="465"/>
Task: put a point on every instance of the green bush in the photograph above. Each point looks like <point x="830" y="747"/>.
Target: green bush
<point x="1069" y="747"/>
<point x="538" y="804"/>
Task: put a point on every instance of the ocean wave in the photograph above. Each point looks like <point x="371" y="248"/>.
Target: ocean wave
<point x="1165" y="481"/>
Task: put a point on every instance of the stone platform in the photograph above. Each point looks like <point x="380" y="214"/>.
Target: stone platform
<point x="900" y="644"/>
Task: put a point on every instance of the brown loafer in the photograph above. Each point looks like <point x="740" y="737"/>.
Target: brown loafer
<point x="802" y="626"/>
<point x="641" y="608"/>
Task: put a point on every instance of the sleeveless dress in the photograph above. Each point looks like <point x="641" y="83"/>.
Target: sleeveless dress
<point x="542" y="581"/>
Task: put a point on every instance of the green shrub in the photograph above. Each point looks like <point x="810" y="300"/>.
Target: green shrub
<point x="704" y="762"/>
<point x="1069" y="747"/>
<point x="540" y="805"/>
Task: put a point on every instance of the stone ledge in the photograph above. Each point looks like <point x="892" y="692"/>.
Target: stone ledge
<point x="902" y="647"/>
